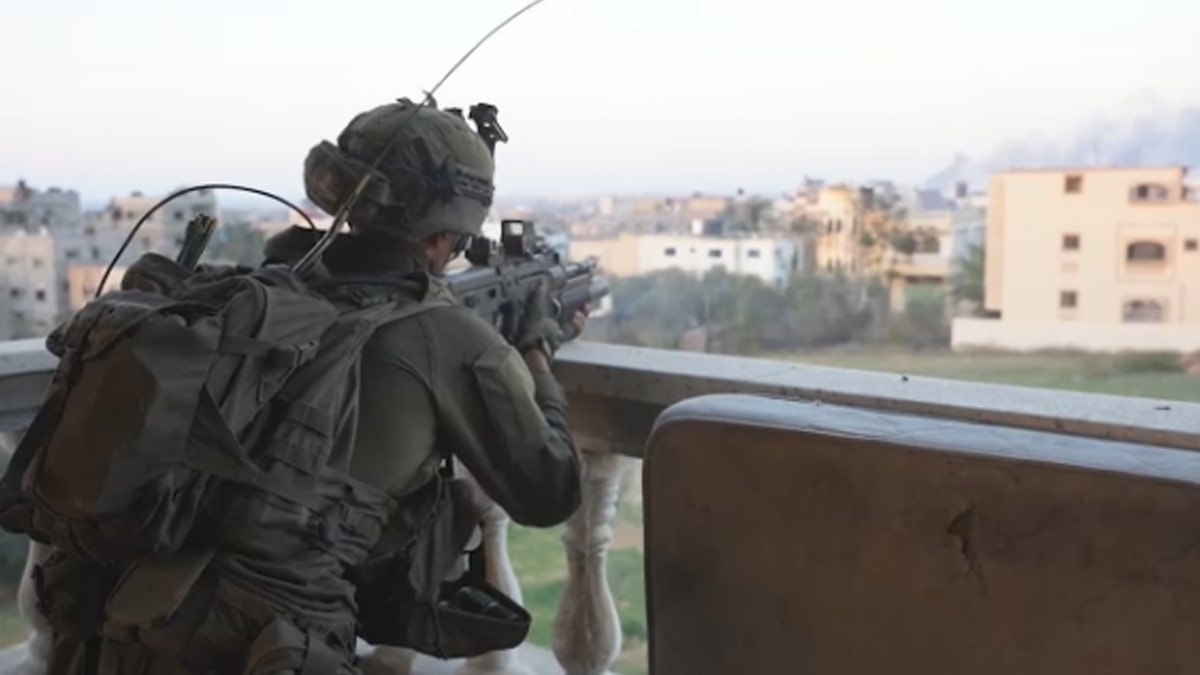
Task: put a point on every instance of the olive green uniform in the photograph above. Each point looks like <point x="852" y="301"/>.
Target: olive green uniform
<point x="445" y="381"/>
<point x="438" y="382"/>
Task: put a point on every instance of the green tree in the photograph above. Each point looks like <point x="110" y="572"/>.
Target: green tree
<point x="967" y="281"/>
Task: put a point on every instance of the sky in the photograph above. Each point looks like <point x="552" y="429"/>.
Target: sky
<point x="597" y="96"/>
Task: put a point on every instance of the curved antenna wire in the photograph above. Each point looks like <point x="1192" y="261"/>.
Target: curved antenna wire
<point x="179" y="193"/>
<point x="305" y="264"/>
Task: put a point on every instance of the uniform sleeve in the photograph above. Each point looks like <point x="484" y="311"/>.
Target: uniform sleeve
<point x="510" y="430"/>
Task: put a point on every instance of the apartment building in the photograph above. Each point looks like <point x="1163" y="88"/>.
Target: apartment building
<point x="84" y="280"/>
<point x="28" y="283"/>
<point x="37" y="282"/>
<point x="1101" y="258"/>
<point x="163" y="230"/>
<point x="836" y="214"/>
<point x="22" y="207"/>
<point x="35" y="274"/>
<point x="771" y="260"/>
<point x="932" y="258"/>
<point x="857" y="234"/>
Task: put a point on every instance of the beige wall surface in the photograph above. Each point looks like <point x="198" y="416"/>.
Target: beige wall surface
<point x="1108" y="246"/>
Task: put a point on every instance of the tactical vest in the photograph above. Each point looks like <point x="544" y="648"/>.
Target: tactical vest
<point x="182" y="457"/>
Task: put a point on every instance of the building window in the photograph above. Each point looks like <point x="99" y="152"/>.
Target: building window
<point x="1073" y="184"/>
<point x="37" y="262"/>
<point x="1068" y="299"/>
<point x="714" y="253"/>
<point x="1189" y="245"/>
<point x="669" y="251"/>
<point x="40" y="295"/>
<point x="929" y="245"/>
<point x="1145" y="251"/>
<point x="14" y="292"/>
<point x="72" y="254"/>
<point x="753" y="253"/>
<point x="1149" y="192"/>
<point x="1070" y="242"/>
<point x="1143" y="311"/>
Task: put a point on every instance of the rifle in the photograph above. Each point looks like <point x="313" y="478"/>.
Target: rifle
<point x="499" y="280"/>
<point x="503" y="273"/>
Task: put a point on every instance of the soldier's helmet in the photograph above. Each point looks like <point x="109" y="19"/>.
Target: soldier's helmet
<point x="437" y="177"/>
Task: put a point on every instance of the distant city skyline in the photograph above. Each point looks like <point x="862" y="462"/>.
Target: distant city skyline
<point x="598" y="97"/>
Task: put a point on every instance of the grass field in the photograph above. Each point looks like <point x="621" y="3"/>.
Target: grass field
<point x="13" y="628"/>
<point x="1124" y="375"/>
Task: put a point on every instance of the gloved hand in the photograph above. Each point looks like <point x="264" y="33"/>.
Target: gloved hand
<point x="539" y="327"/>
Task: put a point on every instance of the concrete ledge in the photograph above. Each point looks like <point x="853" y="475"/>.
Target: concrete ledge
<point x="20" y="357"/>
<point x="616" y="388"/>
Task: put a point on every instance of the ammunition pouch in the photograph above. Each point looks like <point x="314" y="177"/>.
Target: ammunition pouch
<point x="404" y="593"/>
<point x="283" y="649"/>
<point x="71" y="593"/>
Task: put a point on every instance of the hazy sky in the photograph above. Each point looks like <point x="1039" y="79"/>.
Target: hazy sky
<point x="597" y="95"/>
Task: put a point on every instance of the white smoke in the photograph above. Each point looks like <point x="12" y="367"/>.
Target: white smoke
<point x="1149" y="136"/>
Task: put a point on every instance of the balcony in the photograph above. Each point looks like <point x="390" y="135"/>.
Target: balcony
<point x="921" y="266"/>
<point x="806" y="519"/>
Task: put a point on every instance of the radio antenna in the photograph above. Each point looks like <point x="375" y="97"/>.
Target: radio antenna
<point x="306" y="264"/>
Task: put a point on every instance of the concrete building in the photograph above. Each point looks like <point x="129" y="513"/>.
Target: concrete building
<point x="83" y="280"/>
<point x="837" y="217"/>
<point x="931" y="262"/>
<point x="28" y="284"/>
<point x="22" y="207"/>
<point x="1098" y="259"/>
<point x="36" y="274"/>
<point x="163" y="231"/>
<point x="771" y="260"/>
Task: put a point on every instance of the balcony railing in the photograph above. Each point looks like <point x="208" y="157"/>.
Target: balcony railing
<point x="616" y="396"/>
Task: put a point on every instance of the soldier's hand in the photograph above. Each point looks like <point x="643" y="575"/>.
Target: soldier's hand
<point x="539" y="329"/>
<point x="578" y="323"/>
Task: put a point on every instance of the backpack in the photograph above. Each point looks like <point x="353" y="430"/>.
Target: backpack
<point x="181" y="392"/>
<point x="187" y="401"/>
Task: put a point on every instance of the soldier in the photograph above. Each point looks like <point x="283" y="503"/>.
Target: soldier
<point x="438" y="382"/>
<point x="446" y="378"/>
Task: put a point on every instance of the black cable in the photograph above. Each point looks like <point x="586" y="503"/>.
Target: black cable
<point x="305" y="263"/>
<point x="179" y="193"/>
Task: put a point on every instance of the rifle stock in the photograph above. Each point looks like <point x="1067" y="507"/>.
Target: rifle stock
<point x="503" y="273"/>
